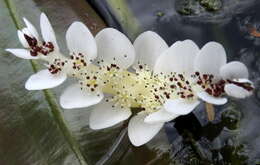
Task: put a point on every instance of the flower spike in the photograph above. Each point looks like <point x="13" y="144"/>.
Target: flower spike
<point x="167" y="82"/>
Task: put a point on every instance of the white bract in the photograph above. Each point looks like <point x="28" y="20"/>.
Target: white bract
<point x="167" y="82"/>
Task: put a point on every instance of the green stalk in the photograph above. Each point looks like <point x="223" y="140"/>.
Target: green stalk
<point x="126" y="17"/>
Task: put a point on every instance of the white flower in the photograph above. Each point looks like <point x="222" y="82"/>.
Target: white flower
<point x="216" y="76"/>
<point x="35" y="48"/>
<point x="179" y="58"/>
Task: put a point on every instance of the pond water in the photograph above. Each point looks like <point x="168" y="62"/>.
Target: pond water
<point x="233" y="137"/>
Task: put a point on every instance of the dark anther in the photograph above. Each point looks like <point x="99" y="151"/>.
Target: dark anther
<point x="209" y="91"/>
<point x="172" y="86"/>
<point x="181" y="77"/>
<point x="156" y="96"/>
<point x="33" y="53"/>
<point x="179" y="84"/>
<point x="199" y="82"/>
<point x="190" y="95"/>
<point x="31" y="41"/>
<point x="205" y="77"/>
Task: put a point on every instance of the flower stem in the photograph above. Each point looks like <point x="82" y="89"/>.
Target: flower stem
<point x="210" y="111"/>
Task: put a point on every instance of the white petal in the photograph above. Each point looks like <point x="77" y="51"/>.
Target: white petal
<point x="178" y="58"/>
<point x="140" y="132"/>
<point x="22" y="39"/>
<point x="244" y="80"/>
<point x="211" y="99"/>
<point x="160" y="116"/>
<point x="47" y="31"/>
<point x="115" y="47"/>
<point x="210" y="59"/>
<point x="148" y="47"/>
<point x="104" y="115"/>
<point x="44" y="80"/>
<point x="236" y="91"/>
<point x="27" y="32"/>
<point x="234" y="70"/>
<point x="239" y="92"/>
<point x="22" y="53"/>
<point x="80" y="40"/>
<point x="74" y="97"/>
<point x="31" y="28"/>
<point x="180" y="106"/>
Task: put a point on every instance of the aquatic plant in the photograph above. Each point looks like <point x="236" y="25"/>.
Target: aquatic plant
<point x="146" y="81"/>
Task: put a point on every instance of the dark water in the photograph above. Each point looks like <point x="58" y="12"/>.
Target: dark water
<point x="234" y="136"/>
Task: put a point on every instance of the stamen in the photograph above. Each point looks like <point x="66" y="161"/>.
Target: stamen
<point x="206" y="82"/>
<point x="78" y="61"/>
<point x="57" y="66"/>
<point x="37" y="47"/>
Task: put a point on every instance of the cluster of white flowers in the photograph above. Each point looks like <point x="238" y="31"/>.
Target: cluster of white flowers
<point x="165" y="82"/>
